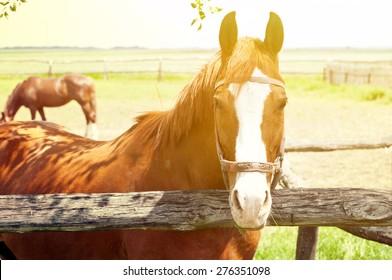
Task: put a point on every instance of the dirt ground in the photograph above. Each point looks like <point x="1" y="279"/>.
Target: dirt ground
<point x="334" y="120"/>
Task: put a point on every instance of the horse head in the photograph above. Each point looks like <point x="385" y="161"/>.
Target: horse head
<point x="3" y="119"/>
<point x="7" y="115"/>
<point x="249" y="103"/>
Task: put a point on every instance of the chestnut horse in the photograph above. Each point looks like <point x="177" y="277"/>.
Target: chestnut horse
<point x="36" y="93"/>
<point x="227" y="123"/>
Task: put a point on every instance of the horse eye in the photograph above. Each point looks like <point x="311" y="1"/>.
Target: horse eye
<point x="284" y="102"/>
<point x="217" y="102"/>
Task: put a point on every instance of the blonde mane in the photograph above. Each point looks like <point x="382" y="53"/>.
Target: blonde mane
<point x="195" y="101"/>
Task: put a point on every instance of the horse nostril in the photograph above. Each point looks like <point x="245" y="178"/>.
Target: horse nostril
<point x="236" y="200"/>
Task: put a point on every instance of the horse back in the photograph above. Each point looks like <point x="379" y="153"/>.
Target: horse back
<point x="41" y="157"/>
<point x="36" y="92"/>
<point x="81" y="87"/>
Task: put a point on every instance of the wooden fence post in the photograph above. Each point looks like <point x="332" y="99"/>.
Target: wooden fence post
<point x="160" y="77"/>
<point x="307" y="236"/>
<point x="50" y="64"/>
<point x="306" y="243"/>
<point x="105" y="70"/>
<point x="331" y="76"/>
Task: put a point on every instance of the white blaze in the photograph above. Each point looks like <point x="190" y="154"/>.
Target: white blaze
<point x="251" y="187"/>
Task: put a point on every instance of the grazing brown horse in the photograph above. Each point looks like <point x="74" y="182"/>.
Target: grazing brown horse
<point x="225" y="131"/>
<point x="36" y="93"/>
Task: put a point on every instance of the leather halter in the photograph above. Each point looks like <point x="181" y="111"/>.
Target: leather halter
<point x="275" y="168"/>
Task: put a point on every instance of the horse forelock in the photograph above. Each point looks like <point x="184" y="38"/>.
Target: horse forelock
<point x="248" y="54"/>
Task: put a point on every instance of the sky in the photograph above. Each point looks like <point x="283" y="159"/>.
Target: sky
<point x="167" y="23"/>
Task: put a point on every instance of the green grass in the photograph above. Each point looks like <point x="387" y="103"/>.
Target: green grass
<point x="313" y="86"/>
<point x="279" y="243"/>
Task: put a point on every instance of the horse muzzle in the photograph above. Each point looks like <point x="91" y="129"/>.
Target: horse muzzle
<point x="250" y="201"/>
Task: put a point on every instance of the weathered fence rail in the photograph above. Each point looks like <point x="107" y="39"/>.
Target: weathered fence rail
<point x="189" y="210"/>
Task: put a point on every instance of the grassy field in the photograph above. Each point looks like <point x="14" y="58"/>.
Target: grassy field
<point x="279" y="243"/>
<point x="124" y="96"/>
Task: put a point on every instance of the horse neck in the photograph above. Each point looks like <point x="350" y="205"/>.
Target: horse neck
<point x="190" y="163"/>
<point x="179" y="149"/>
<point x="13" y="104"/>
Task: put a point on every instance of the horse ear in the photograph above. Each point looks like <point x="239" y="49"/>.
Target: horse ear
<point x="228" y="33"/>
<point x="274" y="34"/>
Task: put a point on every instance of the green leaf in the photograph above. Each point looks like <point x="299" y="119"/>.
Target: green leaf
<point x="202" y="14"/>
<point x="194" y="5"/>
<point x="13" y="7"/>
<point x="23" y="1"/>
<point x="199" y="27"/>
<point x="214" y="10"/>
<point x="194" y="21"/>
<point x="4" y="3"/>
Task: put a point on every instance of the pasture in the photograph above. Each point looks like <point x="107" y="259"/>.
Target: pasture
<point x="316" y="111"/>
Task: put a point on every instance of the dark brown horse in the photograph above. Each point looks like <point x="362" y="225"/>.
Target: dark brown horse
<point x="36" y="93"/>
<point x="225" y="131"/>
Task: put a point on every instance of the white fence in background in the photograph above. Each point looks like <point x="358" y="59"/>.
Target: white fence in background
<point x="337" y="72"/>
<point x="353" y="72"/>
<point x="157" y="65"/>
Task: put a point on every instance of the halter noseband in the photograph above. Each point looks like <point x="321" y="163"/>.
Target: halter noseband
<point x="275" y="168"/>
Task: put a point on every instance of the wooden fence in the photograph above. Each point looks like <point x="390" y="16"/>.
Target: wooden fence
<point x="308" y="236"/>
<point x="336" y="72"/>
<point x="189" y="210"/>
<point x="154" y="65"/>
<point x="352" y="209"/>
<point x="359" y="72"/>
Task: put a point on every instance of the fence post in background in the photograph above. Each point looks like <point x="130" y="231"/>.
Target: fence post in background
<point x="345" y="77"/>
<point x="105" y="70"/>
<point x="306" y="243"/>
<point x="307" y="236"/>
<point x="369" y="78"/>
<point x="331" y="76"/>
<point x="160" y="70"/>
<point x="50" y="64"/>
